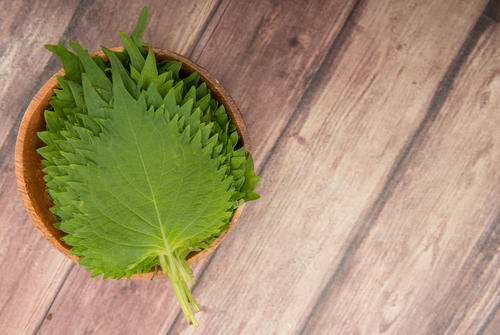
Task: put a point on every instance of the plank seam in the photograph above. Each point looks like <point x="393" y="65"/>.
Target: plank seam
<point x="489" y="318"/>
<point x="191" y="54"/>
<point x="37" y="329"/>
<point x="437" y="101"/>
<point x="493" y="10"/>
<point x="256" y="34"/>
<point x="205" y="26"/>
<point x="330" y="56"/>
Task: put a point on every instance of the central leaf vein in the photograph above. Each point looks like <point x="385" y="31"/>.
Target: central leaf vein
<point x="153" y="197"/>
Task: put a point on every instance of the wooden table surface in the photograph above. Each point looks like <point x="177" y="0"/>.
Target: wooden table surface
<point x="376" y="130"/>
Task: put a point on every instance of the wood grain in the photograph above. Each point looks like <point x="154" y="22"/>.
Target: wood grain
<point x="35" y="272"/>
<point x="331" y="164"/>
<point x="492" y="323"/>
<point x="430" y="263"/>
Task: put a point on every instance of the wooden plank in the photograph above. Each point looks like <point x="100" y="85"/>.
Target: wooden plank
<point x="279" y="30"/>
<point x="430" y="263"/>
<point x="330" y="165"/>
<point x="32" y="271"/>
<point x="26" y="291"/>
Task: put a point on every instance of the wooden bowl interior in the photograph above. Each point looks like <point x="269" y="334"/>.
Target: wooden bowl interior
<point x="28" y="164"/>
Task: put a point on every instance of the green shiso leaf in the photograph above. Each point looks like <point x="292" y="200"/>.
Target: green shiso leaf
<point x="143" y="165"/>
<point x="95" y="73"/>
<point x="139" y="28"/>
<point x="70" y="62"/>
<point x="118" y="66"/>
<point x="136" y="57"/>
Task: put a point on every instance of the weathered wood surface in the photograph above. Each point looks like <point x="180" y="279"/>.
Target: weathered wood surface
<point x="268" y="59"/>
<point x="435" y="242"/>
<point x="375" y="128"/>
<point x="492" y="323"/>
<point x="32" y="271"/>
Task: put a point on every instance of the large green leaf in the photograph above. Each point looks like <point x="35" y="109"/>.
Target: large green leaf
<point x="152" y="183"/>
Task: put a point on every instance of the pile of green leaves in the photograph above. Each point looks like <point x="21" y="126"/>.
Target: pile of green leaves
<point x="143" y="165"/>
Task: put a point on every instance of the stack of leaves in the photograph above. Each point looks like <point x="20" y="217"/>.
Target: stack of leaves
<point x="143" y="165"/>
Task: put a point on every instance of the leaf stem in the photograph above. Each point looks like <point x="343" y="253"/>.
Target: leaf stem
<point x="179" y="274"/>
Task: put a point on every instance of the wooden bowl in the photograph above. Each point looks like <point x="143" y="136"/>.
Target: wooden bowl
<point x="28" y="165"/>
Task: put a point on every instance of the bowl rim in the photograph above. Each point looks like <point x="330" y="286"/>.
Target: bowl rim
<point x="40" y="215"/>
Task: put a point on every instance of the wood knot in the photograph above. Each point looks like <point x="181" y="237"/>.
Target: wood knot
<point x="293" y="42"/>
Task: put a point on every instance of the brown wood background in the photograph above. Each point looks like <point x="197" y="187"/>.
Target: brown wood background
<point x="376" y="130"/>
